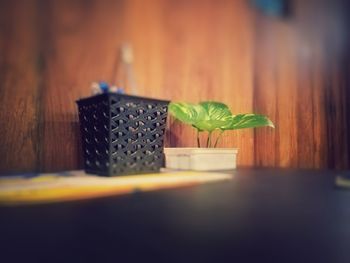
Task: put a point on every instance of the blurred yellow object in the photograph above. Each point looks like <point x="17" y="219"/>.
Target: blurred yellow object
<point x="78" y="185"/>
<point x="343" y="180"/>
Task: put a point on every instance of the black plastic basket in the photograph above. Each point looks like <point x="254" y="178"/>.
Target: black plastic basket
<point x="122" y="134"/>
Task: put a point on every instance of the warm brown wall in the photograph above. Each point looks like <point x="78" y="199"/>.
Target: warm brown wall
<point x="295" y="70"/>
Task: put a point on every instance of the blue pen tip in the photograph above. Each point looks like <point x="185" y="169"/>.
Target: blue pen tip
<point x="103" y="86"/>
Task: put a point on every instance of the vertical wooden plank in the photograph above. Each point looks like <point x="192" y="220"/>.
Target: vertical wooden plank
<point x="276" y="92"/>
<point x="339" y="81"/>
<point x="313" y="76"/>
<point x="181" y="71"/>
<point x="143" y="29"/>
<point x="347" y="105"/>
<point x="306" y="48"/>
<point x="337" y="121"/>
<point x="265" y="90"/>
<point x="81" y="47"/>
<point x="335" y="40"/>
<point x="287" y="100"/>
<point x="19" y="81"/>
<point x="305" y="119"/>
<point x="319" y="124"/>
<point x="236" y="50"/>
<point x="208" y="56"/>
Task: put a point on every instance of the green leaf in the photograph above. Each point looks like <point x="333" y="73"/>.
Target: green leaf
<point x="242" y="121"/>
<point x="187" y="112"/>
<point x="216" y="116"/>
<point x="210" y="125"/>
<point x="211" y="115"/>
<point x="216" y="110"/>
<point x="206" y="116"/>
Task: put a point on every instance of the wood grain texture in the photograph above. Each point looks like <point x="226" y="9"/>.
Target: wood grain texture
<point x="77" y="39"/>
<point x="300" y="82"/>
<point x="19" y="86"/>
<point x="295" y="70"/>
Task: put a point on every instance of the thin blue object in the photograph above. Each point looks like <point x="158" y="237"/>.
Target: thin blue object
<point x="272" y="7"/>
<point x="104" y="86"/>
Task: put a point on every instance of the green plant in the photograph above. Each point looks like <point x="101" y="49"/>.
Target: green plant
<point x="210" y="116"/>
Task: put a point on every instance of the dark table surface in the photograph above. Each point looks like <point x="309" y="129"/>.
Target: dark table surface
<point x="259" y="216"/>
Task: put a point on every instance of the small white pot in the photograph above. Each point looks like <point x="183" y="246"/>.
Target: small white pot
<point x="201" y="159"/>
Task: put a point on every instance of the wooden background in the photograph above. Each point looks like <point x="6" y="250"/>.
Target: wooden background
<point x="295" y="70"/>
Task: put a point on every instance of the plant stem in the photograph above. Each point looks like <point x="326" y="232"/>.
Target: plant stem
<point x="218" y="138"/>
<point x="209" y="140"/>
<point x="198" y="140"/>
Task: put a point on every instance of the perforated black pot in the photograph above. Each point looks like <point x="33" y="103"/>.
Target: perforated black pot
<point x="122" y="134"/>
